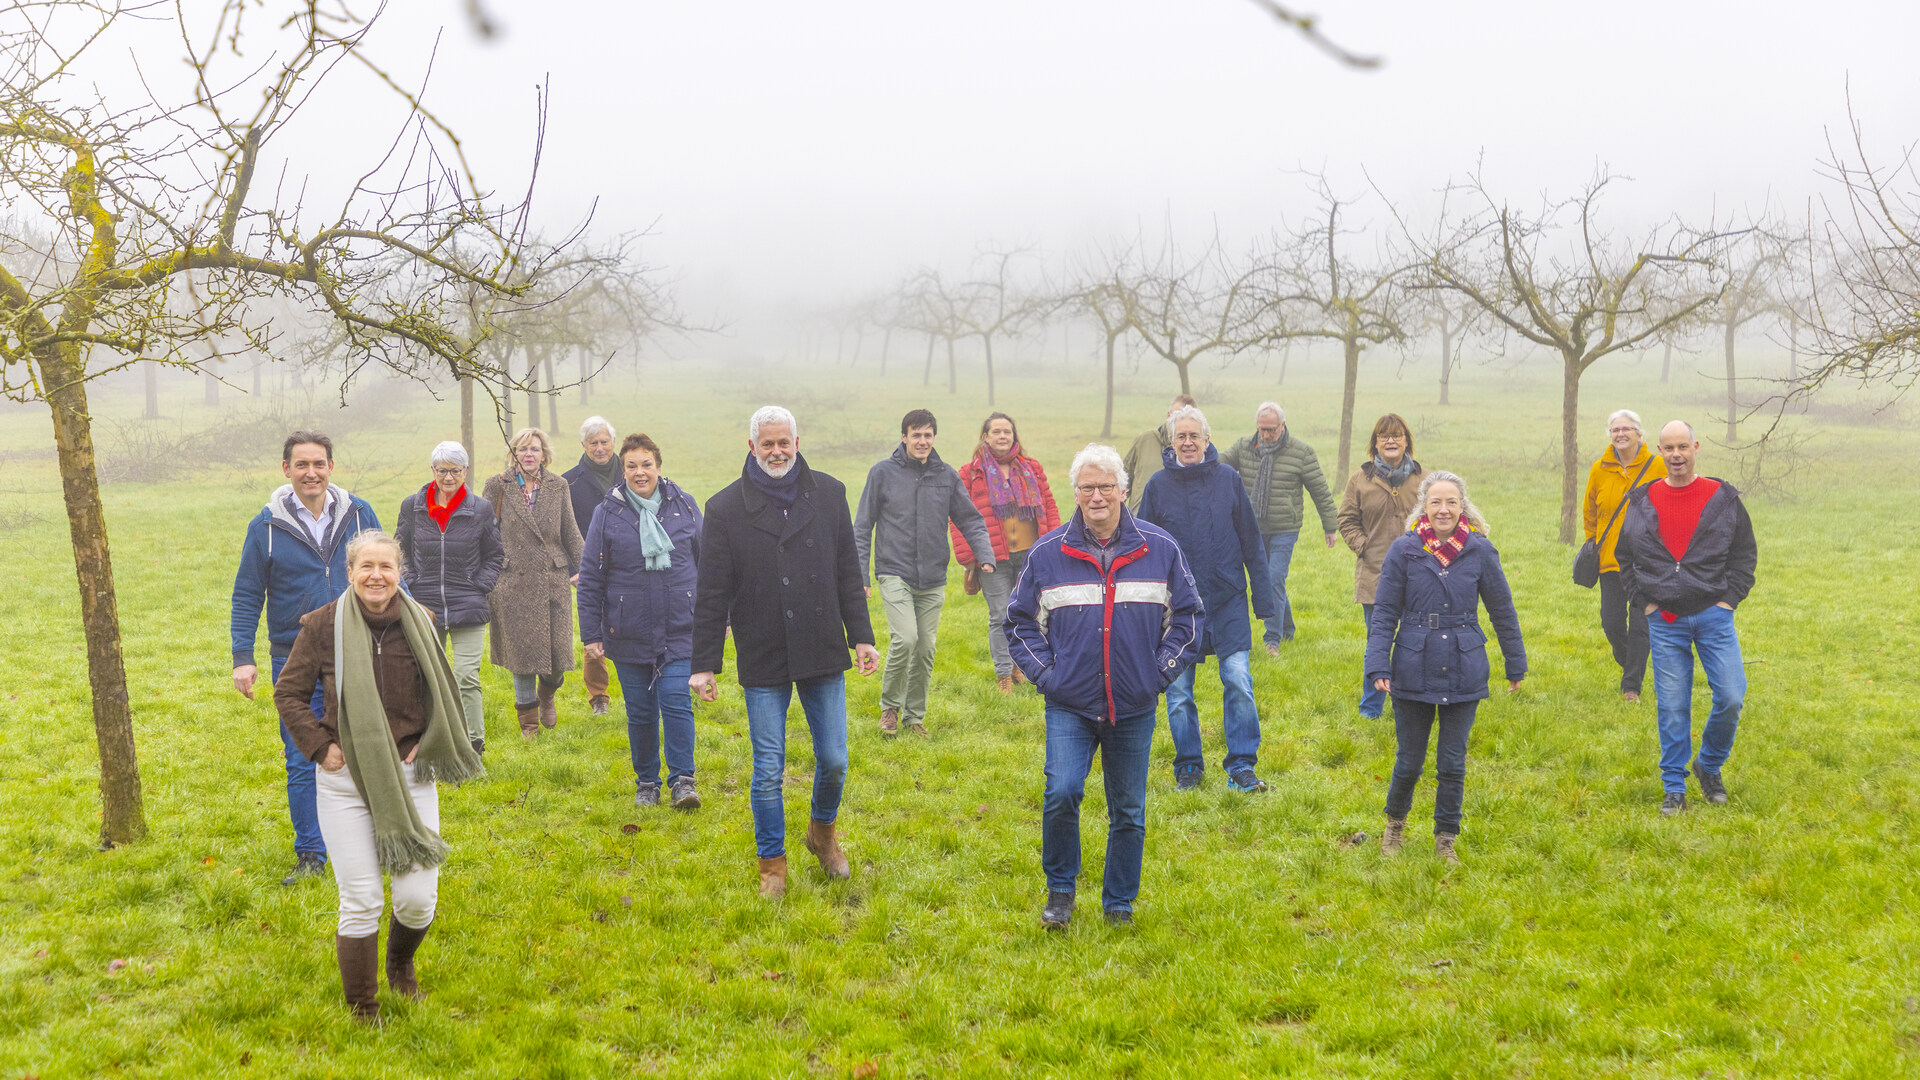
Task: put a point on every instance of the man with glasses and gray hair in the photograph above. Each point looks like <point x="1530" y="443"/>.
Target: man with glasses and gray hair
<point x="1105" y="615"/>
<point x="1276" y="467"/>
<point x="588" y="482"/>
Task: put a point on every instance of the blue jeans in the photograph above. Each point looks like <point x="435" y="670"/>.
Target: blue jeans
<point x="824" y="700"/>
<point x="1413" y="724"/>
<point x="1673" y="644"/>
<point x="1240" y="716"/>
<point x="1124" y="748"/>
<point x="1279" y="557"/>
<point x="300" y="797"/>
<point x="657" y="698"/>
<point x="1372" y="701"/>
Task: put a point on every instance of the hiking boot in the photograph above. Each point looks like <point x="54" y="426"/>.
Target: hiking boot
<point x="360" y="974"/>
<point x="1119" y="916"/>
<point x="1711" y="787"/>
<point x="529" y="716"/>
<point x="646" y="794"/>
<point x="1058" y="912"/>
<point x="602" y="704"/>
<point x="1443" y="847"/>
<point x="1187" y="777"/>
<point x="1243" y="780"/>
<point x="915" y="727"/>
<point x="1394" y="836"/>
<point x="826" y="848"/>
<point x="1006" y="684"/>
<point x="306" y="866"/>
<point x="889" y="721"/>
<point x="1273" y="648"/>
<point x="402" y="942"/>
<point x="1631" y="697"/>
<point x="1675" y="802"/>
<point x="684" y="796"/>
<point x="549" y="712"/>
<point x="1019" y="676"/>
<point x="773" y="877"/>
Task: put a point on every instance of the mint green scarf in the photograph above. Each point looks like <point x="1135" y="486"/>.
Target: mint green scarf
<point x="401" y="840"/>
<point x="655" y="544"/>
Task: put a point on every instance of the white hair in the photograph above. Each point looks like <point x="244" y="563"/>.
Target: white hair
<point x="594" y="423"/>
<point x="1098" y="456"/>
<point x="1630" y="416"/>
<point x="450" y="452"/>
<point x="1469" y="512"/>
<point x="770" y="414"/>
<point x="1189" y="412"/>
<point x="1269" y="407"/>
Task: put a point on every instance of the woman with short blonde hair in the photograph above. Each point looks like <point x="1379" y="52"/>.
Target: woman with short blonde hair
<point x="532" y="605"/>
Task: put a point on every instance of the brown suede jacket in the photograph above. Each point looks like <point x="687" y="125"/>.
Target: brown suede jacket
<point x="403" y="689"/>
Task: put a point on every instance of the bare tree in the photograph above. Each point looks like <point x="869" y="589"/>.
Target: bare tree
<point x="142" y="197"/>
<point x="1106" y="289"/>
<point x="1562" y="280"/>
<point x="1184" y="310"/>
<point x="991" y="304"/>
<point x="1761" y="268"/>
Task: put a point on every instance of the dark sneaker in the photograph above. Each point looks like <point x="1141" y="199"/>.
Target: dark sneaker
<point x="479" y="746"/>
<point x="309" y="865"/>
<point x="1244" y="780"/>
<point x="1187" y="777"/>
<point x="1119" y="916"/>
<point x="1711" y="787"/>
<point x="1675" y="802"/>
<point x="684" y="795"/>
<point x="1058" y="912"/>
<point x="646" y="795"/>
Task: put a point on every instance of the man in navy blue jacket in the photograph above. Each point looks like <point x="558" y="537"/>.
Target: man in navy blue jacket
<point x="1201" y="502"/>
<point x="294" y="560"/>
<point x="1104" y="616"/>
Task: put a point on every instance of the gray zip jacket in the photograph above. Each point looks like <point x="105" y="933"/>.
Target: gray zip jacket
<point x="902" y="522"/>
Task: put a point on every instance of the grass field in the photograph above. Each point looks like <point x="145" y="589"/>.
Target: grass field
<point x="578" y="936"/>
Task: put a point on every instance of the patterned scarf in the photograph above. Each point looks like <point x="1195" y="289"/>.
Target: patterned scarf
<point x="1444" y="550"/>
<point x="1012" y="488"/>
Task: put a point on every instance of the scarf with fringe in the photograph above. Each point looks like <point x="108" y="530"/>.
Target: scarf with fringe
<point x="1445" y="550"/>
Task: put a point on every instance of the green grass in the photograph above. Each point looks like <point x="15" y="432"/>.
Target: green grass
<point x="578" y="936"/>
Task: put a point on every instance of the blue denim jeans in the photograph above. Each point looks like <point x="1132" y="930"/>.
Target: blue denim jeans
<point x="656" y="698"/>
<point x="1413" y="724"/>
<point x="300" y="797"/>
<point x="1124" y="748"/>
<point x="1372" y="701"/>
<point x="1672" y="647"/>
<point x="1239" y="715"/>
<point x="824" y="701"/>
<point x="1279" y="557"/>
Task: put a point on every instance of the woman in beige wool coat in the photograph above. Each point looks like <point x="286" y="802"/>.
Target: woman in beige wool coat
<point x="1373" y="514"/>
<point x="532" y="605"/>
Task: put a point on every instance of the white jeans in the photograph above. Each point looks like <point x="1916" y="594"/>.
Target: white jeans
<point x="347" y="826"/>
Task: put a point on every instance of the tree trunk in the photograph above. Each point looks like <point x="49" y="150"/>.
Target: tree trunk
<point x="553" y="398"/>
<point x="1349" y="389"/>
<point x="1570" y="450"/>
<point x="123" y="818"/>
<point x="859" y="341"/>
<point x="953" y="371"/>
<point x="986" y="342"/>
<point x="152" y="373"/>
<point x="1793" y="347"/>
<point x="1186" y="384"/>
<point x="886" y="342"/>
<point x="586" y="374"/>
<point x="1106" y="426"/>
<point x="257" y="365"/>
<point x="1286" y="356"/>
<point x="1446" y="357"/>
<point x="1666" y="363"/>
<point x="926" y="376"/>
<point x="1733" y="406"/>
<point x="212" y="384"/>
<point x="466" y="418"/>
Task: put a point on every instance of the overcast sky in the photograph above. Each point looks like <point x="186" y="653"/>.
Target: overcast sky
<point x="786" y="149"/>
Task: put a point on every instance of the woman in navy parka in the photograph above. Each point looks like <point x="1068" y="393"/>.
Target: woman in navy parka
<point x="638" y="569"/>
<point x="1426" y="614"/>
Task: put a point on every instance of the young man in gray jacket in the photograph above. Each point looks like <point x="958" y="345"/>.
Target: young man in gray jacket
<point x="902" y="525"/>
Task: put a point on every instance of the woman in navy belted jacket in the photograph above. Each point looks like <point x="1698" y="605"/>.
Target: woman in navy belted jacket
<point x="1436" y="576"/>
<point x="638" y="568"/>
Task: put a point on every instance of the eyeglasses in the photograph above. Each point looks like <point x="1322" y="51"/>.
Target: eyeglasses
<point x="449" y="473"/>
<point x="1090" y="490"/>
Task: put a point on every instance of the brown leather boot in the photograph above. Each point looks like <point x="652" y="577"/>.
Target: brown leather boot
<point x="889" y="721"/>
<point x="549" y="714"/>
<point x="1006" y="684"/>
<point x="360" y="974"/>
<point x="529" y="721"/>
<point x="402" y="940"/>
<point x="1443" y="847"/>
<point x="821" y="841"/>
<point x="1394" y="836"/>
<point x="773" y="877"/>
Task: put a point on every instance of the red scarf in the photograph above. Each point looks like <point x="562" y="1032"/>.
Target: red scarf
<point x="1444" y="550"/>
<point x="439" y="513"/>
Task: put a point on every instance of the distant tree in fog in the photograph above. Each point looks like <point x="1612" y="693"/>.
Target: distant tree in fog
<point x="1105" y="288"/>
<point x="1184" y="309"/>
<point x="1762" y="269"/>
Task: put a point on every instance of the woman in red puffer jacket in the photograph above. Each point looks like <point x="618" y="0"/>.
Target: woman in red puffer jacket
<point x="1010" y="491"/>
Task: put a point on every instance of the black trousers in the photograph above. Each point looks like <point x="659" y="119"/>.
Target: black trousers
<point x="1414" y="723"/>
<point x="1626" y="632"/>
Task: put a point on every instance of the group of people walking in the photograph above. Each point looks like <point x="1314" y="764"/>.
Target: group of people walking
<point x="376" y="638"/>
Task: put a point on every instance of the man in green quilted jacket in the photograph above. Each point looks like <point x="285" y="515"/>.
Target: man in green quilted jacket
<point x="1275" y="466"/>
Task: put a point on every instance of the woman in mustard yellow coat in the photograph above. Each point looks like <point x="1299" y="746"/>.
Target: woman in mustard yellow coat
<point x="1625" y="464"/>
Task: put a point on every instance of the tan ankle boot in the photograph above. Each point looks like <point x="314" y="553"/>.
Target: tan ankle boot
<point x="360" y="974"/>
<point x="826" y="848"/>
<point x="773" y="877"/>
<point x="529" y="722"/>
<point x="1394" y="836"/>
<point x="1443" y="847"/>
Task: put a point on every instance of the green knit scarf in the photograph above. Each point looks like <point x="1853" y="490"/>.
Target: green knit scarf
<point x="401" y="840"/>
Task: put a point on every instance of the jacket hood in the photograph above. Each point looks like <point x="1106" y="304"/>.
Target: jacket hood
<point x="1170" y="462"/>
<point x="1608" y="461"/>
<point x="277" y="502"/>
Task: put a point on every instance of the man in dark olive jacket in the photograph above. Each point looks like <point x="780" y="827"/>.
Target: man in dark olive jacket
<point x="777" y="563"/>
<point x="1687" y="556"/>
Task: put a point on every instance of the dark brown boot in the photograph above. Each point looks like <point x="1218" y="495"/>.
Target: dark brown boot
<point x="549" y="714"/>
<point x="821" y="841"/>
<point x="360" y="974"/>
<point x="773" y="877"/>
<point x="529" y="721"/>
<point x="402" y="940"/>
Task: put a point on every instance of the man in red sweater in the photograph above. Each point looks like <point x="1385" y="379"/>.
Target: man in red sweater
<point x="1687" y="556"/>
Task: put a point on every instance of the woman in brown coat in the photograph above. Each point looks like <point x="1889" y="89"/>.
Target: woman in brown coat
<point x="532" y="604"/>
<point x="1373" y="514"/>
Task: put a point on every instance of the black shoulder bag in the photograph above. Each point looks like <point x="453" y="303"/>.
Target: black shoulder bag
<point x="1586" y="565"/>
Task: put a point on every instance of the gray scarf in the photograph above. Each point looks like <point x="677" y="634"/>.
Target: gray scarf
<point x="1265" y="480"/>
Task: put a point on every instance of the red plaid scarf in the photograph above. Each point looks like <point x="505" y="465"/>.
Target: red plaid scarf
<point x="1445" y="550"/>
